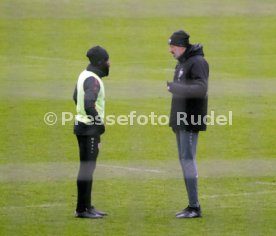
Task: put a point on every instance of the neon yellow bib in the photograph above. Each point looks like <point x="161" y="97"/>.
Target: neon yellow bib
<point x="100" y="102"/>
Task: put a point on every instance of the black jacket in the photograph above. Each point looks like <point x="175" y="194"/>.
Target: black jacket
<point x="189" y="89"/>
<point x="91" y="89"/>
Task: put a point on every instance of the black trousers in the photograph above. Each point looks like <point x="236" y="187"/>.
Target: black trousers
<point x="88" y="151"/>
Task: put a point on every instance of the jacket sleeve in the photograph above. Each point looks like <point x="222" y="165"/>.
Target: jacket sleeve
<point x="198" y="85"/>
<point x="75" y="95"/>
<point x="91" y="89"/>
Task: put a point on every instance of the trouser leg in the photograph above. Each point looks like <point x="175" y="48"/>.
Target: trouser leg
<point x="186" y="143"/>
<point x="88" y="151"/>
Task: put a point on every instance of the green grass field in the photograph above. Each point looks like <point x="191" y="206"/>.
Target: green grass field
<point x="138" y="179"/>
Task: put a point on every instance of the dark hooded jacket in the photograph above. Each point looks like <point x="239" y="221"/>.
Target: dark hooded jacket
<point x="189" y="89"/>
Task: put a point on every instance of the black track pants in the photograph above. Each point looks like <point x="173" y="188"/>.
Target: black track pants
<point x="89" y="150"/>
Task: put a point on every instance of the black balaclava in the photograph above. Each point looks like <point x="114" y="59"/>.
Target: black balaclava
<point x="98" y="58"/>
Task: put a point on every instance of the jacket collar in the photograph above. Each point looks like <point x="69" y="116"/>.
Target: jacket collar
<point x="185" y="55"/>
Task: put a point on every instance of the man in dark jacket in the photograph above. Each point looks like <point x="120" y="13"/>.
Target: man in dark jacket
<point x="89" y="97"/>
<point x="188" y="110"/>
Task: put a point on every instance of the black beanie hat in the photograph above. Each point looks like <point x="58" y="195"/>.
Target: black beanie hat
<point x="179" y="38"/>
<point x="97" y="55"/>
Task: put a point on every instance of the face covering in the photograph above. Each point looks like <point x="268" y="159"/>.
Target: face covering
<point x="105" y="68"/>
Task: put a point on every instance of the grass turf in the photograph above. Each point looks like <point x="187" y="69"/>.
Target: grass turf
<point x="138" y="179"/>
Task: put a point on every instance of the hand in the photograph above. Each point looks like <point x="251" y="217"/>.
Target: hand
<point x="169" y="85"/>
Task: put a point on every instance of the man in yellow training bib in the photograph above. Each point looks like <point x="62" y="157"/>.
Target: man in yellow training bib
<point x="89" y="97"/>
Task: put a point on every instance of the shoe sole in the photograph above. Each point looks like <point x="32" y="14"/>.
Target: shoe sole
<point x="188" y="217"/>
<point x="88" y="217"/>
<point x="77" y="215"/>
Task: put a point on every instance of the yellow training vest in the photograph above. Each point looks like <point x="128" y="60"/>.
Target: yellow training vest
<point x="100" y="102"/>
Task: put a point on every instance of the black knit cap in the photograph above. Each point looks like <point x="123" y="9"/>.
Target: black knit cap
<point x="97" y="55"/>
<point x="179" y="38"/>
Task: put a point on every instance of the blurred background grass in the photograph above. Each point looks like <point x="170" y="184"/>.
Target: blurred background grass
<point x="42" y="52"/>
